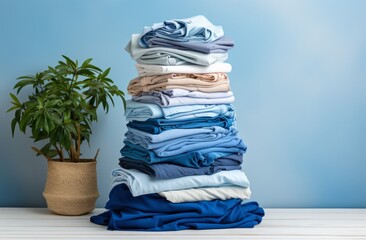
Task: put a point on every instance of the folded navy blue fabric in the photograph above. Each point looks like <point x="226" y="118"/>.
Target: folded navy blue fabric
<point x="158" y="125"/>
<point x="152" y="212"/>
<point x="195" y="159"/>
<point x="169" y="171"/>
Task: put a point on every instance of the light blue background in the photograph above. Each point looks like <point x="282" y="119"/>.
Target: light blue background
<point x="298" y="77"/>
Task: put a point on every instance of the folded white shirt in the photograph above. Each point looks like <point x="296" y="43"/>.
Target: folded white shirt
<point x="178" y="92"/>
<point x="140" y="183"/>
<point x="206" y="194"/>
<point x="150" y="70"/>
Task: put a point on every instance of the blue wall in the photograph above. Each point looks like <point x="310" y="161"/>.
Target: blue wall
<point x="298" y="75"/>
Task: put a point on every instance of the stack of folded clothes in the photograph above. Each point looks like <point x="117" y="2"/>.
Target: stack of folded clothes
<point x="182" y="156"/>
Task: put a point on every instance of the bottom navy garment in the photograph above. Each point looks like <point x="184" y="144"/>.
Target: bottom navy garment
<point x="152" y="212"/>
<point x="168" y="171"/>
<point x="159" y="125"/>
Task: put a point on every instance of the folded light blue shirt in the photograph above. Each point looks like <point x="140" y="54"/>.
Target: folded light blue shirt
<point x="165" y="100"/>
<point x="143" y="111"/>
<point x="170" y="56"/>
<point x="140" y="183"/>
<point x="197" y="29"/>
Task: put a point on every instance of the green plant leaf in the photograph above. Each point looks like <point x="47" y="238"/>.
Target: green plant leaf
<point x="21" y="84"/>
<point x="13" y="125"/>
<point x="39" y="122"/>
<point x="61" y="63"/>
<point x="45" y="148"/>
<point x="93" y="68"/>
<point x="52" y="153"/>
<point x="69" y="61"/>
<point x="24" y="123"/>
<point x="85" y="72"/>
<point x="86" y="62"/>
<point x="105" y="73"/>
<point x="13" y="108"/>
<point x="46" y="124"/>
<point x="108" y="80"/>
<point x="15" y="100"/>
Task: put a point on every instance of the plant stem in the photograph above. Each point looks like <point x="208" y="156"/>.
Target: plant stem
<point x="78" y="143"/>
<point x="74" y="78"/>
<point x="96" y="155"/>
<point x="62" y="153"/>
<point x="59" y="151"/>
<point x="73" y="152"/>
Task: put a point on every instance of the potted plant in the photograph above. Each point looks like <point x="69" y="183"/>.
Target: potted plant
<point x="59" y="112"/>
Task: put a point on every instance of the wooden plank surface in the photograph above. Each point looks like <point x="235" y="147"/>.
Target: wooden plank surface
<point x="39" y="223"/>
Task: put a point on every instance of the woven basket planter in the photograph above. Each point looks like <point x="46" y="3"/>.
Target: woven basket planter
<point x="71" y="188"/>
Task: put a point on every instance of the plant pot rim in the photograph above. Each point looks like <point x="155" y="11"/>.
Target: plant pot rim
<point x="83" y="161"/>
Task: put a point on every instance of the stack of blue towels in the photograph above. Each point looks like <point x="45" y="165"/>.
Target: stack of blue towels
<point x="182" y="156"/>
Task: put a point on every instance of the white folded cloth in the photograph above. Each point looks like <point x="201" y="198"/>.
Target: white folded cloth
<point x="207" y="194"/>
<point x="150" y="70"/>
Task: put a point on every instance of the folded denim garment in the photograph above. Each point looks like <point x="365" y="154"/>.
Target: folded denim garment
<point x="154" y="213"/>
<point x="209" y="82"/>
<point x="152" y="70"/>
<point x="169" y="171"/>
<point x="220" y="137"/>
<point x="140" y="183"/>
<point x="170" y="56"/>
<point x="163" y="100"/>
<point x="206" y="194"/>
<point x="221" y="45"/>
<point x="193" y="29"/>
<point x="143" y="111"/>
<point x="159" y="125"/>
<point x="196" y="159"/>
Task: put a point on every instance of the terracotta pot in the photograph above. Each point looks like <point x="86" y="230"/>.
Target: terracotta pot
<point x="71" y="188"/>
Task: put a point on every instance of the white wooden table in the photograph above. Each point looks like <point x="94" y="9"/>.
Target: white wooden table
<point x="39" y="223"/>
